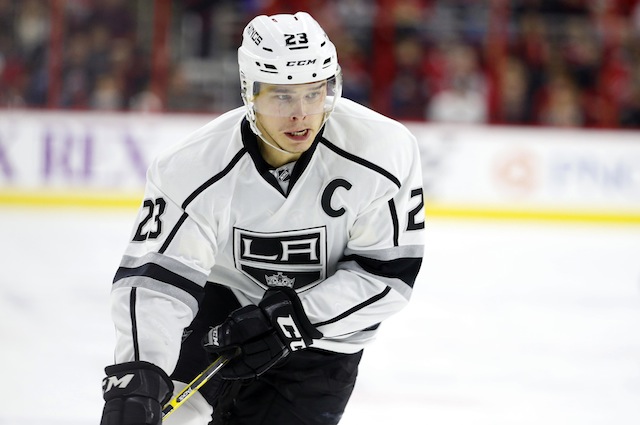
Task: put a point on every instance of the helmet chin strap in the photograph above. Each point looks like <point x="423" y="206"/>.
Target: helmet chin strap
<point x="275" y="147"/>
<point x="258" y="133"/>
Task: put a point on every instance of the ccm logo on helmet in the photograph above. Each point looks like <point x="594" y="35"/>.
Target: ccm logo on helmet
<point x="302" y="62"/>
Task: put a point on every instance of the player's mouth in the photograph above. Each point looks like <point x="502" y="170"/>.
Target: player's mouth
<point x="299" y="135"/>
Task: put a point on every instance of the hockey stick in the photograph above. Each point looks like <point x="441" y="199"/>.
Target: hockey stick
<point x="197" y="382"/>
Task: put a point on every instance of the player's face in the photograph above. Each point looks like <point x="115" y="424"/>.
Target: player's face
<point x="290" y="116"/>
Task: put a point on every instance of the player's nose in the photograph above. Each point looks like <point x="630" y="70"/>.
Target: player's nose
<point x="299" y="110"/>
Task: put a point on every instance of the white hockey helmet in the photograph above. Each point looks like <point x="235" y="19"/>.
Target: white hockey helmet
<point x="285" y="50"/>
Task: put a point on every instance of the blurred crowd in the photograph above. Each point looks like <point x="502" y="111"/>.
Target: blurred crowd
<point x="565" y="63"/>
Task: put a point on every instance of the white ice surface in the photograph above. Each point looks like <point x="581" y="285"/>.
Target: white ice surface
<point x="510" y="324"/>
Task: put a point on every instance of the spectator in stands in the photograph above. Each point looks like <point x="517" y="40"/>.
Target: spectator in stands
<point x="117" y="16"/>
<point x="100" y="46"/>
<point x="513" y="104"/>
<point x="182" y="96"/>
<point x="76" y="80"/>
<point x="32" y="27"/>
<point x="107" y="94"/>
<point x="464" y="99"/>
<point x="355" y="74"/>
<point x="561" y="104"/>
<point x="630" y="108"/>
<point x="583" y="54"/>
<point x="409" y="91"/>
<point x="12" y="74"/>
<point x="533" y="47"/>
<point x="395" y="46"/>
<point x="101" y="67"/>
<point x="6" y="18"/>
<point x="31" y="34"/>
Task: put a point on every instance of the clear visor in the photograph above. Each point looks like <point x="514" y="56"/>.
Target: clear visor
<point x="294" y="100"/>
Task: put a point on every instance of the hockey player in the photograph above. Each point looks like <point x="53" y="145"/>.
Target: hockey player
<point x="289" y="229"/>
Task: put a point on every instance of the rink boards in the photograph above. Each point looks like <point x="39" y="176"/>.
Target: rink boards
<point x="100" y="159"/>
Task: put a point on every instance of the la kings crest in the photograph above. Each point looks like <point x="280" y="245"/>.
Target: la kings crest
<point x="296" y="259"/>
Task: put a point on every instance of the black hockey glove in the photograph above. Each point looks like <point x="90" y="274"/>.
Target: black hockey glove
<point x="134" y="394"/>
<point x="284" y="309"/>
<point x="265" y="334"/>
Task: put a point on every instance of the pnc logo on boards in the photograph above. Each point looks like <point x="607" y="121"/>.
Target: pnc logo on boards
<point x="517" y="172"/>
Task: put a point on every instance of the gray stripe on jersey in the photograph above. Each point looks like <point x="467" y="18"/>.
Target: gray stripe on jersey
<point x="166" y="262"/>
<point x="396" y="284"/>
<point x="154" y="285"/>
<point x="404" y="251"/>
<point x="149" y="283"/>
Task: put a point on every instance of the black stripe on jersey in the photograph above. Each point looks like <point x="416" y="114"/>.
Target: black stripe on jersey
<point x="134" y="324"/>
<point x="394" y="219"/>
<point x="361" y="161"/>
<point x="405" y="269"/>
<point x="161" y="274"/>
<point x="372" y="328"/>
<point x="215" y="178"/>
<point x="175" y="229"/>
<point x="360" y="306"/>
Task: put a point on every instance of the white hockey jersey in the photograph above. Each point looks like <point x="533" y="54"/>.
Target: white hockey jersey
<point x="347" y="234"/>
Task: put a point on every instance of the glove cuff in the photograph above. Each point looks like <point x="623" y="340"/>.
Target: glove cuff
<point x="137" y="378"/>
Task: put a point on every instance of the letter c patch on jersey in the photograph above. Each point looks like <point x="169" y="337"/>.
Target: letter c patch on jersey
<point x="296" y="259"/>
<point x="328" y="193"/>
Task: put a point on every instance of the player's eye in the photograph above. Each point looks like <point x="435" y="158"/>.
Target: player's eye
<point x="313" y="96"/>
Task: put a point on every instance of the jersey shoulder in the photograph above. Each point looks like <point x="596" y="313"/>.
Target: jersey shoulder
<point x="370" y="135"/>
<point x="207" y="151"/>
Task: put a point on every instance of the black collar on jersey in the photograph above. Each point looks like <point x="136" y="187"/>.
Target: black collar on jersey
<point x="250" y="141"/>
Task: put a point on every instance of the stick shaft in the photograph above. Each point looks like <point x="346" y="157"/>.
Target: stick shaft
<point x="195" y="385"/>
